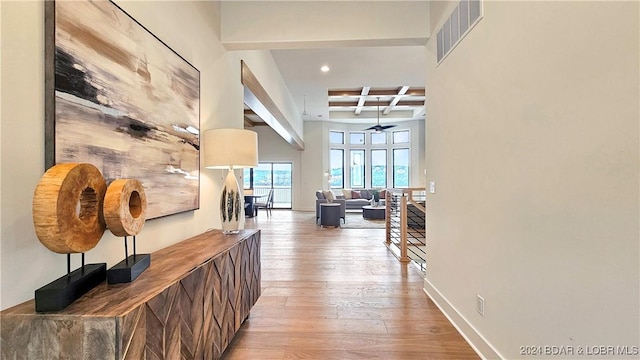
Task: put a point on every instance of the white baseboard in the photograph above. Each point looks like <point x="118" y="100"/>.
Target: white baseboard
<point x="477" y="342"/>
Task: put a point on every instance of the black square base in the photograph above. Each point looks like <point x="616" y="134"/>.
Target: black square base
<point x="128" y="269"/>
<point x="60" y="293"/>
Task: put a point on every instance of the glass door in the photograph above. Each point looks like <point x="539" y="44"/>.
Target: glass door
<point x="271" y="175"/>
<point x="282" y="184"/>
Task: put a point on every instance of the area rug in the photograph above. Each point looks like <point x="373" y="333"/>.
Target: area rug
<point x="356" y="221"/>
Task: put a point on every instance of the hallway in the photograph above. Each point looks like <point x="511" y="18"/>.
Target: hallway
<point x="339" y="294"/>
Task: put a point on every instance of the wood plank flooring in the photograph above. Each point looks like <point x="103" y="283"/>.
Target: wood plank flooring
<point x="333" y="293"/>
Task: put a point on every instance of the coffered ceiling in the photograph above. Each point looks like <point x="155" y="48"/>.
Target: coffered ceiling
<point x="399" y="103"/>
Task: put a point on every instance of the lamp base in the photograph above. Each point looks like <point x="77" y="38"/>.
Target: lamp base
<point x="230" y="204"/>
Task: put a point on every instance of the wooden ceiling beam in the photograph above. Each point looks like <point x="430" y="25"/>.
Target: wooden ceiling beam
<point x="375" y="104"/>
<point x="251" y="123"/>
<point x="416" y="92"/>
<point x="410" y="103"/>
<point x="344" y="93"/>
<point x="368" y="99"/>
<point x="412" y="91"/>
<point x="344" y="104"/>
<point x="383" y="92"/>
<point x="257" y="98"/>
<point x="256" y="121"/>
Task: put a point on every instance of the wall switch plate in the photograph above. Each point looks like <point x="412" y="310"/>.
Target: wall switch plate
<point x="432" y="187"/>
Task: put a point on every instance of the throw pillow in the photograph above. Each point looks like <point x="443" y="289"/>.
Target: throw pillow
<point x="346" y="193"/>
<point x="320" y="195"/>
<point x="383" y="193"/>
<point x="364" y="194"/>
<point x="355" y="194"/>
<point x="328" y="194"/>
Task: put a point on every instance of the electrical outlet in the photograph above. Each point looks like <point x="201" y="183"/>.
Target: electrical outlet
<point x="432" y="187"/>
<point x="480" y="305"/>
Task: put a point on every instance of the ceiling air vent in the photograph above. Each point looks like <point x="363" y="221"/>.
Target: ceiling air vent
<point x="463" y="18"/>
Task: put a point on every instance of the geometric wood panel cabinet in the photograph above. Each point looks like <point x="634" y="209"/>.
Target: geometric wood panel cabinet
<point x="187" y="305"/>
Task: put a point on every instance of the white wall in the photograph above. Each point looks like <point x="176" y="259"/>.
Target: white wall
<point x="532" y="138"/>
<point x="272" y="148"/>
<point x="191" y="29"/>
<point x="315" y="161"/>
<point x="292" y="24"/>
<point x="268" y="74"/>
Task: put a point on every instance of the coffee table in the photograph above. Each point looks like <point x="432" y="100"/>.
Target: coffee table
<point x="373" y="212"/>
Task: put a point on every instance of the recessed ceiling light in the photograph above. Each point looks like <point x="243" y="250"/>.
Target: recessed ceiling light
<point x="325" y="68"/>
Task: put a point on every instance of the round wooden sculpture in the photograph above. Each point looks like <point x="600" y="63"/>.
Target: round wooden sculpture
<point x="67" y="208"/>
<point x="125" y="207"/>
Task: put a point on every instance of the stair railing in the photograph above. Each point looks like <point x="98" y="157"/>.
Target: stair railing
<point x="405" y="225"/>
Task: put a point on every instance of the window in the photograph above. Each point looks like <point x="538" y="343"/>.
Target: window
<point x="357" y="168"/>
<point x="401" y="137"/>
<point x="356" y="138"/>
<point x="247" y="178"/>
<point x="271" y="175"/>
<point x="369" y="160"/>
<point x="336" y="174"/>
<point x="281" y="177"/>
<point x="378" y="138"/>
<point x="336" y="137"/>
<point x="400" y="168"/>
<point x="262" y="175"/>
<point x="379" y="168"/>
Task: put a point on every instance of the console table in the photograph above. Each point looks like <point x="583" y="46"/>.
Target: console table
<point x="187" y="305"/>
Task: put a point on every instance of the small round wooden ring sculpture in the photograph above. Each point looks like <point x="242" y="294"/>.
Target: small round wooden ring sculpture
<point x="67" y="208"/>
<point x="125" y="207"/>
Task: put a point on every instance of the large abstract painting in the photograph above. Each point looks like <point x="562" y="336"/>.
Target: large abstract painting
<point x="119" y="98"/>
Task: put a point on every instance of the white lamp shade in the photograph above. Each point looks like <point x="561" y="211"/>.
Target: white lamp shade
<point x="224" y="148"/>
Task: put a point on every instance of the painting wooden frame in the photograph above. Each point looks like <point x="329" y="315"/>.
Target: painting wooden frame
<point x="119" y="98"/>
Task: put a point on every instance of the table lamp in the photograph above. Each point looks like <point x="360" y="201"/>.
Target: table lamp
<point x="230" y="149"/>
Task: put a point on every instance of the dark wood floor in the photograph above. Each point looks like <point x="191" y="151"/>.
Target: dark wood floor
<point x="339" y="294"/>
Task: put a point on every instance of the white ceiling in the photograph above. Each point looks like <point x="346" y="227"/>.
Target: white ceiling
<point x="352" y="68"/>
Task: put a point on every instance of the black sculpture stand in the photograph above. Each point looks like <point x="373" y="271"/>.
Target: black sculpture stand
<point x="130" y="268"/>
<point x="62" y="292"/>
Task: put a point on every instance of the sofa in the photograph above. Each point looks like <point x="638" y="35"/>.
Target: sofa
<point x="353" y="199"/>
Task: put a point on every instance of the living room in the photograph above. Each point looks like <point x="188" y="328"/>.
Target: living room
<point x="310" y="166"/>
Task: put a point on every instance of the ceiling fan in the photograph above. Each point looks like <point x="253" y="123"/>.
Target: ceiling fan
<point x="379" y="128"/>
